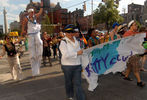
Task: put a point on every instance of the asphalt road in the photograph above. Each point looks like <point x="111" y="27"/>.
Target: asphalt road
<point x="50" y="85"/>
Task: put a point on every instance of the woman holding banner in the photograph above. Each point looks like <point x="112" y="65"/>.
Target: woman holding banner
<point x="71" y="63"/>
<point x="133" y="62"/>
<point x="144" y="58"/>
<point x="113" y="34"/>
<point x="93" y="40"/>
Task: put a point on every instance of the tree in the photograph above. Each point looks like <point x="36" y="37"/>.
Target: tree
<point x="46" y="25"/>
<point x="107" y="13"/>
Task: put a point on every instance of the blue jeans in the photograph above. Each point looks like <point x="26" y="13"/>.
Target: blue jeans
<point x="72" y="76"/>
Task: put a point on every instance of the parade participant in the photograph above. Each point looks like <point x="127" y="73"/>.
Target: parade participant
<point x="93" y="40"/>
<point x="133" y="29"/>
<point x="113" y="34"/>
<point x="26" y="43"/>
<point x="34" y="41"/>
<point x="133" y="62"/>
<point x="122" y="29"/>
<point x="144" y="58"/>
<point x="60" y="37"/>
<point x="20" y="49"/>
<point x="46" y="48"/>
<point x="54" y="45"/>
<point x="80" y="38"/>
<point x="71" y="64"/>
<point x="102" y="38"/>
<point x="106" y="37"/>
<point x="12" y="58"/>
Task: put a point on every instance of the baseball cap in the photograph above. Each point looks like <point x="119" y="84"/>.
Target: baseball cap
<point x="121" y="27"/>
<point x="115" y="24"/>
<point x="71" y="28"/>
<point x="130" y="23"/>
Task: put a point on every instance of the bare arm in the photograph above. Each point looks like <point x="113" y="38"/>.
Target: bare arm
<point x="23" y="26"/>
<point x="41" y="10"/>
<point x="3" y="52"/>
<point x="118" y="36"/>
<point x="112" y="35"/>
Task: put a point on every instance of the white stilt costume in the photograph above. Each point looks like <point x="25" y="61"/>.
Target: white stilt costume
<point x="35" y="46"/>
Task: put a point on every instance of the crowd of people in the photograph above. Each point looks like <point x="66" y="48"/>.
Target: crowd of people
<point x="68" y="46"/>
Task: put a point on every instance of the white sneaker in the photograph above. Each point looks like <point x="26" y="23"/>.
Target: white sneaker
<point x="70" y="98"/>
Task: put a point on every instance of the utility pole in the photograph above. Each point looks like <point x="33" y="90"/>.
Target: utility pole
<point x="91" y="13"/>
<point x="52" y="15"/>
<point x="124" y="10"/>
<point x="5" y="21"/>
<point x="31" y="1"/>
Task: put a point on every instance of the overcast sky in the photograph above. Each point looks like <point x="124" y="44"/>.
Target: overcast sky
<point x="14" y="7"/>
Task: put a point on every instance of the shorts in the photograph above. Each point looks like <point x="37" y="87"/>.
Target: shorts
<point x="134" y="63"/>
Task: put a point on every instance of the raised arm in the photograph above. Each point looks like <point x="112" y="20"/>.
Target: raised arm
<point x="24" y="23"/>
<point x="112" y="35"/>
<point x="41" y="10"/>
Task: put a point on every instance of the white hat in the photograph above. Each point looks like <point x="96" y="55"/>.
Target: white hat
<point x="30" y="10"/>
<point x="130" y="23"/>
<point x="76" y="30"/>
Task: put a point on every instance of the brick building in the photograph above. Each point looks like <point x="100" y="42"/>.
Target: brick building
<point x="136" y="12"/>
<point x="59" y="17"/>
<point x="14" y="26"/>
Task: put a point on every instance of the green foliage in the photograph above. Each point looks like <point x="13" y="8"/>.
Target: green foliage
<point x="107" y="13"/>
<point x="46" y="25"/>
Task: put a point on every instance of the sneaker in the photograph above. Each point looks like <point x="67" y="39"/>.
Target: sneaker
<point x="142" y="69"/>
<point x="70" y="99"/>
<point x="140" y="84"/>
<point x="122" y="74"/>
<point x="128" y="78"/>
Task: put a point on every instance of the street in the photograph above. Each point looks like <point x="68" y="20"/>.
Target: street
<point x="50" y="84"/>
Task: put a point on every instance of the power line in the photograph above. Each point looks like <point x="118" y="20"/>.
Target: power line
<point x="77" y="4"/>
